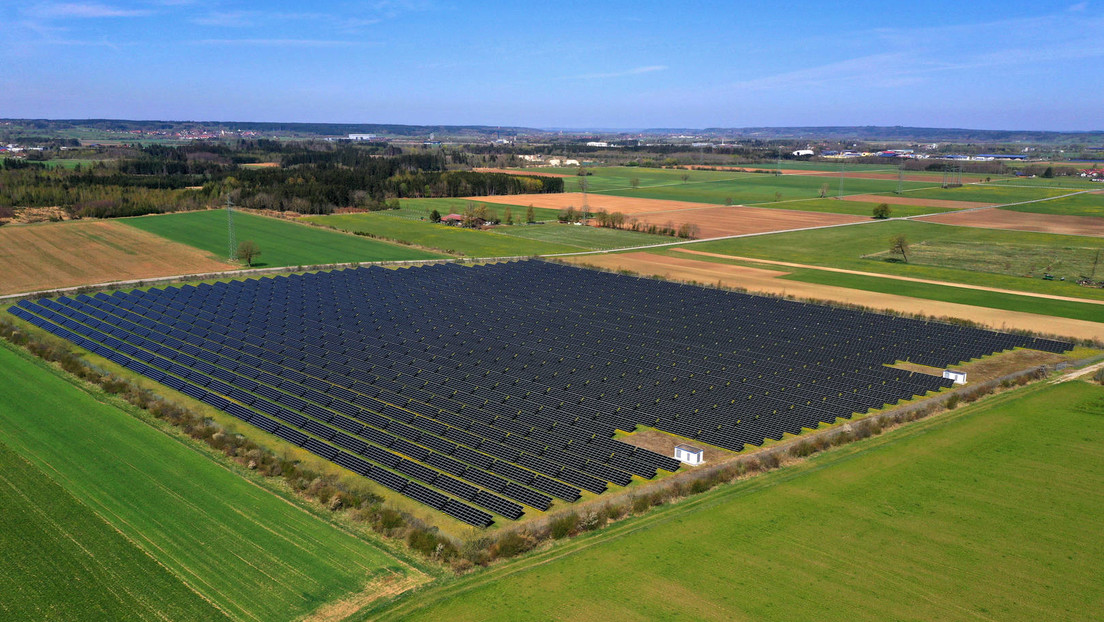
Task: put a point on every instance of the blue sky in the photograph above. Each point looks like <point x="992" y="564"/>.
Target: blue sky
<point x="976" y="64"/>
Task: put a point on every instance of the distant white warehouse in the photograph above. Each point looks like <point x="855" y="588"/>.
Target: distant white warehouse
<point x="361" y="136"/>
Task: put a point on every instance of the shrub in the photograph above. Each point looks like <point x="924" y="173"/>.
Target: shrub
<point x="564" y="526"/>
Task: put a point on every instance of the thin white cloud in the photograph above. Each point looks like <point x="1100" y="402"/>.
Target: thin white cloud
<point x="312" y="43"/>
<point x="619" y="74"/>
<point x="67" y="10"/>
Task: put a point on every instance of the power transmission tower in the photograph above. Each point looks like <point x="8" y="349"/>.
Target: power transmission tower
<point x="900" y="179"/>
<point x="842" y="165"/>
<point x="232" y="244"/>
<point x="583" y="184"/>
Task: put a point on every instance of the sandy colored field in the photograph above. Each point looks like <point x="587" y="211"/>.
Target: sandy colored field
<point x="511" y="171"/>
<point x="715" y="222"/>
<point x="1022" y="221"/>
<point x="66" y="254"/>
<point x="766" y="281"/>
<point x="562" y="200"/>
<point x="712" y="220"/>
<point x="261" y="165"/>
<point x="894" y="200"/>
<point x="895" y="277"/>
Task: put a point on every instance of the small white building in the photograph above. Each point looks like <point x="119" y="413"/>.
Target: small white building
<point x="800" y="153"/>
<point x="362" y="136"/>
<point x="959" y="377"/>
<point x="688" y="454"/>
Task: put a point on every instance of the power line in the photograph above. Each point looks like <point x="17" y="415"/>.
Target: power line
<point x="231" y="243"/>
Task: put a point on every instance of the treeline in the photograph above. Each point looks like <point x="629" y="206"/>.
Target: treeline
<point x="313" y="179"/>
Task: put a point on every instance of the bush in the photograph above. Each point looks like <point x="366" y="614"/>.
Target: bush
<point x="564" y="526"/>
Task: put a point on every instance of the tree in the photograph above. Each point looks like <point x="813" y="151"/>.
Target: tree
<point x="1049" y="172"/>
<point x="823" y="190"/>
<point x="509" y="216"/>
<point x="777" y="196"/>
<point x="899" y="245"/>
<point x="685" y="177"/>
<point x="881" y="210"/>
<point x="435" y="216"/>
<point x="248" y="251"/>
<point x="530" y="214"/>
<point x="634" y="182"/>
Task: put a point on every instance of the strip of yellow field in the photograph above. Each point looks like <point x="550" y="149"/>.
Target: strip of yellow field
<point x="766" y="281"/>
<point x="895" y="277"/>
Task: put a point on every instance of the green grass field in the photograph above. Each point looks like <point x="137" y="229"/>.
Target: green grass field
<point x="987" y="193"/>
<point x="1078" y="205"/>
<point x="856" y="208"/>
<point x="63" y="562"/>
<point x="446" y="238"/>
<point x="845" y="247"/>
<point x="982" y="513"/>
<point x="252" y="553"/>
<point x="417" y="209"/>
<point x="282" y="243"/>
<point x="594" y="238"/>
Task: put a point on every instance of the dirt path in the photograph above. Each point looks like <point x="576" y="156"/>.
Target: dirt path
<point x="1081" y="373"/>
<point x="767" y="281"/>
<point x="896" y="278"/>
<point x="386" y="587"/>
<point x="996" y="218"/>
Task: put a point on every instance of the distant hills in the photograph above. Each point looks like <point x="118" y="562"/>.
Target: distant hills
<point x="105" y="127"/>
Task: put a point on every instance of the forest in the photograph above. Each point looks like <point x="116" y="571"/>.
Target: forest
<point x="309" y="178"/>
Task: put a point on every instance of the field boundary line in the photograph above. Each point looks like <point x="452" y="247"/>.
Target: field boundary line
<point x="895" y="277"/>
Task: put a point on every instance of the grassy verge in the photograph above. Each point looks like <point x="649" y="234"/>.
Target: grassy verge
<point x="938" y="520"/>
<point x="282" y="243"/>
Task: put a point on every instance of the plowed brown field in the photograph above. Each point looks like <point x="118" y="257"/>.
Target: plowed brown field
<point x="1022" y="221"/>
<point x="626" y="205"/>
<point x="66" y="254"/>
<point x="877" y="198"/>
<point x="510" y="171"/>
<point x="766" y="281"/>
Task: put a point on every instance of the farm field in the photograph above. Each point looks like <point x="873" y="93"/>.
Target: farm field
<point x="994" y="218"/>
<point x="851" y="205"/>
<point x="596" y="238"/>
<point x="53" y="544"/>
<point x="1088" y="205"/>
<point x="942" y="519"/>
<point x="250" y="552"/>
<point x="942" y="302"/>
<point x="996" y="194"/>
<point x="899" y="201"/>
<point x="980" y="296"/>
<point x="66" y="254"/>
<point x="418" y="209"/>
<point x="282" y="243"/>
<point x="448" y="239"/>
<point x="848" y="247"/>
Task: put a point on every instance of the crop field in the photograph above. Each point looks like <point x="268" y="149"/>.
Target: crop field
<point x="997" y="194"/>
<point x="898" y="201"/>
<point x="595" y="238"/>
<point x="449" y="239"/>
<point x="999" y="310"/>
<point x="1089" y="205"/>
<point x="862" y="247"/>
<point x="419" y="209"/>
<point x="979" y="513"/>
<point x="66" y="254"/>
<point x="864" y="207"/>
<point x="996" y="218"/>
<point x="246" y="550"/>
<point x="410" y="416"/>
<point x="61" y="561"/>
<point x="282" y="243"/>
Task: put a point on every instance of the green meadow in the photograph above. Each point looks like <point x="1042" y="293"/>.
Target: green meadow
<point x="985" y="512"/>
<point x="243" y="548"/>
<point x="282" y="243"/>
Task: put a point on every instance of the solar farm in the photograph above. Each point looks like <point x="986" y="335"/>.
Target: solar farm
<point x="490" y="391"/>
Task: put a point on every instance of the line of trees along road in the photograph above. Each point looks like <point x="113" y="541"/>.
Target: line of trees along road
<point x="166" y="179"/>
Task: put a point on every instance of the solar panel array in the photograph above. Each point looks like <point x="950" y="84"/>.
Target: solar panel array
<point x="480" y="390"/>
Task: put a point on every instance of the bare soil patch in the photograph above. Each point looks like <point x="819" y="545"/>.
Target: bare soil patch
<point x="714" y="222"/>
<point x="386" y="587"/>
<point x="261" y="165"/>
<point x="992" y="367"/>
<point x="754" y="280"/>
<point x="520" y="172"/>
<point x="896" y="200"/>
<point x="664" y="444"/>
<point x="562" y="200"/>
<point x="1022" y="221"/>
<point x="67" y="254"/>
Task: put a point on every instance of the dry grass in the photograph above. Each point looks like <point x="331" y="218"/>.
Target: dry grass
<point x="1022" y="221"/>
